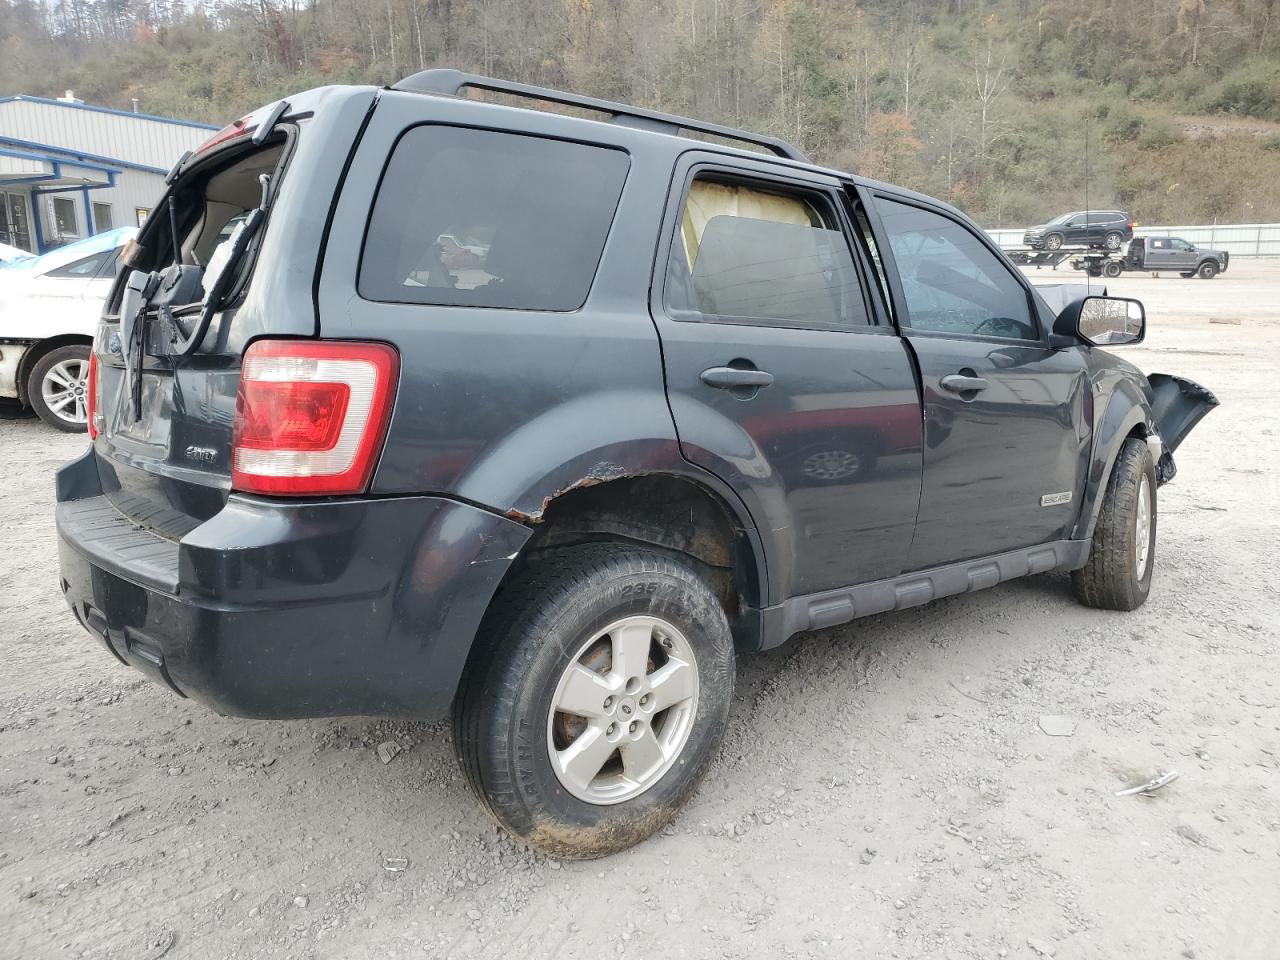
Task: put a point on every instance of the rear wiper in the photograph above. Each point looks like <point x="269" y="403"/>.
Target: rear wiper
<point x="240" y="241"/>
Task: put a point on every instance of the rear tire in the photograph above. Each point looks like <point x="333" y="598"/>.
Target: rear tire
<point x="558" y="637"/>
<point x="58" y="386"/>
<point x="1112" y="270"/>
<point x="1122" y="555"/>
<point x="1112" y="241"/>
<point x="1208" y="270"/>
<point x="1188" y="275"/>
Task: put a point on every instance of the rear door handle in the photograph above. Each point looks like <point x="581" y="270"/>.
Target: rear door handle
<point x="957" y="383"/>
<point x="727" y="378"/>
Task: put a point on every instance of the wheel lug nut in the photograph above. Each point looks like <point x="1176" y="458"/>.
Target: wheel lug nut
<point x="613" y="728"/>
<point x="634" y="726"/>
<point x="644" y="701"/>
<point x="608" y="702"/>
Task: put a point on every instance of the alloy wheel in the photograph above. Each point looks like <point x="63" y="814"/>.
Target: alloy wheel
<point x="1142" y="527"/>
<point x="623" y="710"/>
<point x="65" y="390"/>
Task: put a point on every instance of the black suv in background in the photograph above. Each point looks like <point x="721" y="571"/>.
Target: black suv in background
<point x="540" y="421"/>
<point x="1109" y="229"/>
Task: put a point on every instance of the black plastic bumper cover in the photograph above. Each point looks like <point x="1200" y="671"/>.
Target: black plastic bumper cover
<point x="277" y="609"/>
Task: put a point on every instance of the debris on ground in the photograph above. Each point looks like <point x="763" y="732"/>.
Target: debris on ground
<point x="1192" y="835"/>
<point x="157" y="945"/>
<point x="1056" y="726"/>
<point x="1042" y="948"/>
<point x="395" y="864"/>
<point x="388" y="750"/>
<point x="1146" y="789"/>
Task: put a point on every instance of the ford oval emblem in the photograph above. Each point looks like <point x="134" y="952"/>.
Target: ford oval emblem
<point x="114" y="344"/>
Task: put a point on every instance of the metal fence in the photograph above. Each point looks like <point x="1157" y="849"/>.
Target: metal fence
<point x="1238" y="239"/>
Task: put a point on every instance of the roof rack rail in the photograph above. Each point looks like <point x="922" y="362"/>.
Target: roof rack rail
<point x="452" y="82"/>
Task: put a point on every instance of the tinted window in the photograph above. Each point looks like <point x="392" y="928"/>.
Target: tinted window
<point x="952" y="282"/>
<point x="756" y="255"/>
<point x="481" y="219"/>
<point x="86" y="268"/>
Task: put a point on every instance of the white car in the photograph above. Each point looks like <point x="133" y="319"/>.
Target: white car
<point x="9" y="253"/>
<point x="49" y="308"/>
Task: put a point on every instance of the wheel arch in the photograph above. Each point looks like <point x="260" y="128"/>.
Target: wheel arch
<point x="1127" y="415"/>
<point x="39" y="349"/>
<point x="682" y="512"/>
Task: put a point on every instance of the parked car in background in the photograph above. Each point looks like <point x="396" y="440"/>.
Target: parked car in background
<point x="49" y="309"/>
<point x="684" y="402"/>
<point x="9" y="253"/>
<point x="1110" y="229"/>
<point x="1158" y="254"/>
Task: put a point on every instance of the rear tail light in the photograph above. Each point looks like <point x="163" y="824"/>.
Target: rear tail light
<point x="311" y="416"/>
<point x="92" y="404"/>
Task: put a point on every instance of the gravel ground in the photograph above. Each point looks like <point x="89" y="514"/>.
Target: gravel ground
<point x="885" y="789"/>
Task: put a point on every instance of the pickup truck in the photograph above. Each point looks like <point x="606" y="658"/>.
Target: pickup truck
<point x="678" y="402"/>
<point x="1160" y="254"/>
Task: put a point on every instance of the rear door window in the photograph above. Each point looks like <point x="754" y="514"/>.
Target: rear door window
<point x="483" y="219"/>
<point x="753" y="255"/>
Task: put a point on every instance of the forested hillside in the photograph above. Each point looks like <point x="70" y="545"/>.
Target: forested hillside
<point x="985" y="103"/>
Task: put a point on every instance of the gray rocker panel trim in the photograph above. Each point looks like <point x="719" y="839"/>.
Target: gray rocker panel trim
<point x="832" y="607"/>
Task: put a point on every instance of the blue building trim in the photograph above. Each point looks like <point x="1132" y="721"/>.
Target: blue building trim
<point x="65" y="153"/>
<point x="111" y="110"/>
<point x="56" y="161"/>
<point x="37" y="214"/>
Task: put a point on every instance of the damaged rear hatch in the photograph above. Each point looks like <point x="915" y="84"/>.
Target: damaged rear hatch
<point x="227" y="256"/>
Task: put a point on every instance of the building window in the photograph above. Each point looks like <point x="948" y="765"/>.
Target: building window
<point x="102" y="217"/>
<point x="141" y="214"/>
<point x="65" y="225"/>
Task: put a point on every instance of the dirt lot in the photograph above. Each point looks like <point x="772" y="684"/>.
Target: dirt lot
<point x="885" y="789"/>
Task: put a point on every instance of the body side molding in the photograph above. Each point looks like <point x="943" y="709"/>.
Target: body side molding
<point x="833" y="607"/>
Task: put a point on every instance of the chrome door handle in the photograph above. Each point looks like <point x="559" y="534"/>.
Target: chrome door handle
<point x="958" y="383"/>
<point x="727" y="378"/>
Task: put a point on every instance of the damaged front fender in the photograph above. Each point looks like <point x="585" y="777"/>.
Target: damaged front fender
<point x="1177" y="405"/>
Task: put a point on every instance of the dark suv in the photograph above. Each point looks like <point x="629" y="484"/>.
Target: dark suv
<point x="1109" y="229"/>
<point x="540" y="421"/>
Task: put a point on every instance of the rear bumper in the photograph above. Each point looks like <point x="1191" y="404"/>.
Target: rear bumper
<point x="275" y="609"/>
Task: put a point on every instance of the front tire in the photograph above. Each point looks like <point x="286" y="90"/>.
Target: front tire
<point x="1208" y="270"/>
<point x="598" y="700"/>
<point x="1053" y="241"/>
<point x="58" y="388"/>
<point x="1123" y="553"/>
<point x="1112" y="270"/>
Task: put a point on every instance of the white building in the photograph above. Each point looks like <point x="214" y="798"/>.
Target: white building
<point x="69" y="170"/>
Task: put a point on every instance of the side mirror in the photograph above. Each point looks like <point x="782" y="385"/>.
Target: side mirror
<point x="1103" y="321"/>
